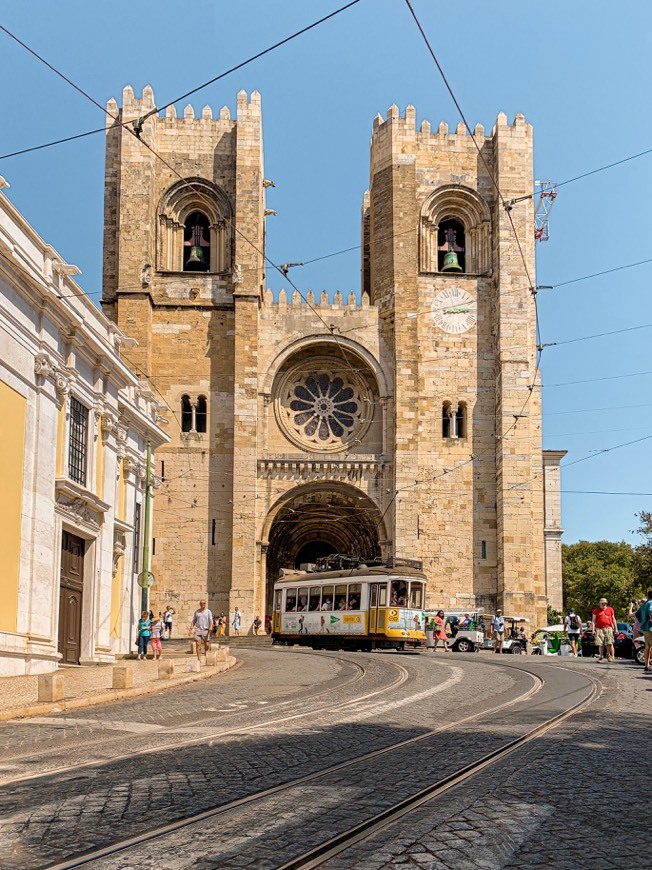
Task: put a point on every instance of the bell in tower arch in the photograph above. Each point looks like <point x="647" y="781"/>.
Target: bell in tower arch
<point x="198" y="256"/>
<point x="451" y="246"/>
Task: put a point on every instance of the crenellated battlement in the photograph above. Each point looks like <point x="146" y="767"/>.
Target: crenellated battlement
<point x="322" y="302"/>
<point x="407" y="124"/>
<point x="136" y="107"/>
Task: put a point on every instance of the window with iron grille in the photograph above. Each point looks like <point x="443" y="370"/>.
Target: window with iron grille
<point x="78" y="442"/>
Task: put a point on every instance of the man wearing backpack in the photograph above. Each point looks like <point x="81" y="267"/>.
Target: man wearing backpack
<point x="572" y="629"/>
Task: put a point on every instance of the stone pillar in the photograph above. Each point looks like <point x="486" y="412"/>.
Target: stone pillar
<point x="553" y="529"/>
<point x="50" y="688"/>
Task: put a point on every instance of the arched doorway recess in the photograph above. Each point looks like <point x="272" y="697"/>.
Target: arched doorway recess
<point x="317" y="520"/>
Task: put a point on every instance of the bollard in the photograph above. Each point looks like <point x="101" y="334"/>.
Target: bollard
<point x="194" y="666"/>
<point x="123" y="677"/>
<point x="165" y="670"/>
<point x="50" y="687"/>
<point x="212" y="658"/>
<point x="192" y="649"/>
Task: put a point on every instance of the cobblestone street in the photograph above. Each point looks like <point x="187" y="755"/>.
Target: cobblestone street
<point x="287" y="722"/>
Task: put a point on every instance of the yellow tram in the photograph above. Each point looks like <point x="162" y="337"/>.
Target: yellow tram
<point x="362" y="608"/>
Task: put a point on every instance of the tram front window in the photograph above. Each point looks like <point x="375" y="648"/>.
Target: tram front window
<point x="340" y="598"/>
<point x="416" y="595"/>
<point x="290" y="600"/>
<point x="399" y="597"/>
<point x="354" y="597"/>
<point x="382" y="596"/>
<point x="327" y="598"/>
<point x="278" y="595"/>
<point x="315" y="598"/>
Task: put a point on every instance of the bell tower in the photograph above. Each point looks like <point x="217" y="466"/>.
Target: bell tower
<point x="443" y="263"/>
<point x="183" y="276"/>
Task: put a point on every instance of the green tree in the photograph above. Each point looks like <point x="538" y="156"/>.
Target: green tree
<point x="644" y="551"/>
<point x="592" y="570"/>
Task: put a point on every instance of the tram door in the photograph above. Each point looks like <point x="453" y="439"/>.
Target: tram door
<point x="377" y="604"/>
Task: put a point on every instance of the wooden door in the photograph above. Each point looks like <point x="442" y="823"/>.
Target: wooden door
<point x="70" y="600"/>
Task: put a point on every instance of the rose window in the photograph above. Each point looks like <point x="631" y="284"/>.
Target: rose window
<point x="323" y="409"/>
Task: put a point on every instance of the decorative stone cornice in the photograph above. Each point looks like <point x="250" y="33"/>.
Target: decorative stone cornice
<point x="47" y="368"/>
<point x="44" y="366"/>
<point x="345" y="470"/>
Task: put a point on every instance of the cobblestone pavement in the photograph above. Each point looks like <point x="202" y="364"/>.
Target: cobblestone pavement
<point x="68" y="813"/>
<point x="576" y="797"/>
<point x="515" y="812"/>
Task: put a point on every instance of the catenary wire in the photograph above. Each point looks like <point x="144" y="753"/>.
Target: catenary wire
<point x="222" y="75"/>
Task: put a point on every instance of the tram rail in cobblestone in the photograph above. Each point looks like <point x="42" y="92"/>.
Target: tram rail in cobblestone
<point x="207" y="738"/>
<point x="324" y="852"/>
<point x="342" y="841"/>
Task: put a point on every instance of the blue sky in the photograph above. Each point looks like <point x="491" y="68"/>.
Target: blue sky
<point x="579" y="72"/>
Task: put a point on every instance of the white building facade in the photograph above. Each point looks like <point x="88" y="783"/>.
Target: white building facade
<point x="75" y="423"/>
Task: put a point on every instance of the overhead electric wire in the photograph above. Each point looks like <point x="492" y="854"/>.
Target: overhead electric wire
<point x="595" y="380"/>
<point x="596" y="274"/>
<point x="211" y="81"/>
<point x="605" y="450"/>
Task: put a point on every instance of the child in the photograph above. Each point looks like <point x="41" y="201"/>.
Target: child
<point x="157" y="634"/>
<point x="257" y="624"/>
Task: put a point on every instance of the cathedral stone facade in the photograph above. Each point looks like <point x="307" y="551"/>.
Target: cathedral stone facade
<point x="405" y="424"/>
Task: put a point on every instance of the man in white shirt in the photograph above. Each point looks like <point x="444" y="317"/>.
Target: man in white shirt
<point x="498" y="629"/>
<point x="202" y="621"/>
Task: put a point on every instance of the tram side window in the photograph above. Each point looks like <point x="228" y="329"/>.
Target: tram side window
<point x="354" y="597"/>
<point x="290" y="600"/>
<point x="327" y="598"/>
<point x="302" y="606"/>
<point x="399" y="593"/>
<point x="315" y="598"/>
<point x="277" y="599"/>
<point x="340" y="598"/>
<point x="416" y="595"/>
<point x="382" y="596"/>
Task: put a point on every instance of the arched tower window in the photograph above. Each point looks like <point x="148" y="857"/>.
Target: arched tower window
<point x="196" y="243"/>
<point x="446" y="420"/>
<point x="186" y="414"/>
<point x="195" y="228"/>
<point x="455" y="232"/>
<point x="460" y="420"/>
<point x="201" y="414"/>
<point x="450" y="246"/>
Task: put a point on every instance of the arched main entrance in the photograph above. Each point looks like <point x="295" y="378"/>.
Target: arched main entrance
<point x="318" y="520"/>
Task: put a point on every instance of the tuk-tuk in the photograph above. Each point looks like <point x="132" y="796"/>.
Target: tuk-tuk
<point x="547" y="641"/>
<point x="464" y="629"/>
<point x="515" y="641"/>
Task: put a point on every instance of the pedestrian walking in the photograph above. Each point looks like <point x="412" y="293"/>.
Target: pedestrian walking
<point x="221" y="625"/>
<point x="572" y="628"/>
<point x="201" y="627"/>
<point x="168" y="613"/>
<point x="257" y="623"/>
<point x="144" y="633"/>
<point x="440" y="631"/>
<point x="157" y="630"/>
<point x="498" y="630"/>
<point x="631" y="613"/>
<point x="644" y="616"/>
<point x="237" y="619"/>
<point x="605" y="628"/>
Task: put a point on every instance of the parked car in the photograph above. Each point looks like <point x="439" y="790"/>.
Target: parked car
<point x="638" y="650"/>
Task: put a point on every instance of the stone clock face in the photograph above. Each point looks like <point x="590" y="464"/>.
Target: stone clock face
<point x="454" y="310"/>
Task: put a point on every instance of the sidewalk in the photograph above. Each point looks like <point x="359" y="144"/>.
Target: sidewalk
<point x="85" y="686"/>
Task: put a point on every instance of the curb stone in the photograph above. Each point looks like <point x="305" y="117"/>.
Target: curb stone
<point x="152" y="688"/>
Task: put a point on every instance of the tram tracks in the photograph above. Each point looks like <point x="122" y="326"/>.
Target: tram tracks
<point x="357" y="832"/>
<point x="207" y="739"/>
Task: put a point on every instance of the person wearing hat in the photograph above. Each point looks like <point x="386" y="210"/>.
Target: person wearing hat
<point x="572" y="628"/>
<point x="604" y="619"/>
<point x="498" y="630"/>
